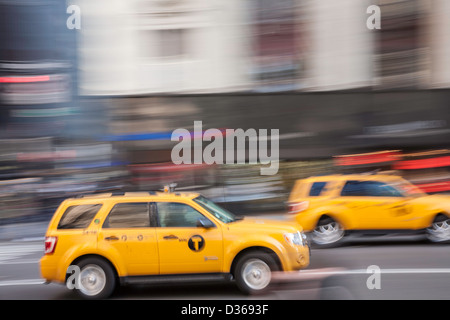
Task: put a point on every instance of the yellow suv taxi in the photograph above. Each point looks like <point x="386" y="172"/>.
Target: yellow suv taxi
<point x="95" y="242"/>
<point x="330" y="207"/>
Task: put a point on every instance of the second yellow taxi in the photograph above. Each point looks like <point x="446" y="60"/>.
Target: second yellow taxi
<point x="331" y="207"/>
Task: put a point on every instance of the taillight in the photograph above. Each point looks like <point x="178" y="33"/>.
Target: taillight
<point x="297" y="207"/>
<point x="50" y="244"/>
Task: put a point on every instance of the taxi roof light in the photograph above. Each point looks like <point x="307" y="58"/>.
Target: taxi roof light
<point x="170" y="188"/>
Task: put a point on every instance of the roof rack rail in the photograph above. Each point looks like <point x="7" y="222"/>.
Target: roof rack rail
<point x="117" y="193"/>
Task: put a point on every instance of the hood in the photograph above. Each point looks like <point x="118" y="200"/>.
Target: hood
<point x="252" y="223"/>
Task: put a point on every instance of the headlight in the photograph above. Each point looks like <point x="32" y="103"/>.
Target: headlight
<point x="296" y="238"/>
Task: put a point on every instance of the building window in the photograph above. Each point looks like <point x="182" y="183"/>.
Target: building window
<point x="172" y="43"/>
<point x="276" y="45"/>
<point x="400" y="49"/>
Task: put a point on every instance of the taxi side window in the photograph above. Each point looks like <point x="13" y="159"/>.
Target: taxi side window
<point x="369" y="189"/>
<point x="317" y="188"/>
<point x="353" y="188"/>
<point x="78" y="217"/>
<point x="129" y="215"/>
<point x="174" y="214"/>
<point x="381" y="189"/>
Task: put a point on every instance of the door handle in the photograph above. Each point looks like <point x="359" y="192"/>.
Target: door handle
<point x="170" y="237"/>
<point x="112" y="238"/>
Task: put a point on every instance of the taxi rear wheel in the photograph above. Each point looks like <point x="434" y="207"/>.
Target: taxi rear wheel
<point x="328" y="233"/>
<point x="253" y="272"/>
<point x="96" y="279"/>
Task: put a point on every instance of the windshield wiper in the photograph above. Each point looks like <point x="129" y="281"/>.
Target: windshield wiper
<point x="237" y="218"/>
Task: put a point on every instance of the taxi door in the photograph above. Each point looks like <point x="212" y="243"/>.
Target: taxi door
<point x="183" y="245"/>
<point x="376" y="205"/>
<point x="129" y="234"/>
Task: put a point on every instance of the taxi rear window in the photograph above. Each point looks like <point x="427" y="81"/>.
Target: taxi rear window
<point x="316" y="189"/>
<point x="78" y="217"/>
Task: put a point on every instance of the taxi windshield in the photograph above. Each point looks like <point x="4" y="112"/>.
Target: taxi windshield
<point x="218" y="212"/>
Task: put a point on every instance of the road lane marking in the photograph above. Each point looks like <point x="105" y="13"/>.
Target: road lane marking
<point x="15" y="253"/>
<point x="312" y="274"/>
<point x="28" y="239"/>
<point x="318" y="274"/>
<point x="386" y="270"/>
<point x="22" y="282"/>
<point x="22" y="261"/>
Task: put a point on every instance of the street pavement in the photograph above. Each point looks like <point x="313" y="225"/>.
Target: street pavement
<point x="385" y="268"/>
<point x="371" y="270"/>
<point x="23" y="231"/>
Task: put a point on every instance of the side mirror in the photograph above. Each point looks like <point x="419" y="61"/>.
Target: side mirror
<point x="205" y="223"/>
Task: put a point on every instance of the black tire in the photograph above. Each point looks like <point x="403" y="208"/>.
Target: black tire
<point x="319" y="238"/>
<point x="253" y="272"/>
<point x="97" y="279"/>
<point x="439" y="230"/>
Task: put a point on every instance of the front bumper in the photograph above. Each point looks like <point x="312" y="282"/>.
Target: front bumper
<point x="298" y="258"/>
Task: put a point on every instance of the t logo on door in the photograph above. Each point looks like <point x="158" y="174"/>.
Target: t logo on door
<point x="196" y="243"/>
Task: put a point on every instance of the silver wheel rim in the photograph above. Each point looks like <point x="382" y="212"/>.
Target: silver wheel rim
<point x="92" y="280"/>
<point x="327" y="233"/>
<point x="256" y="274"/>
<point x="439" y="231"/>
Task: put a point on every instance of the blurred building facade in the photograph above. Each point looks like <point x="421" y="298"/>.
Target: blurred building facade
<point x="48" y="148"/>
<point x="313" y="69"/>
<point x="93" y="109"/>
<point x="38" y="69"/>
<point x="145" y="47"/>
<point x="196" y="47"/>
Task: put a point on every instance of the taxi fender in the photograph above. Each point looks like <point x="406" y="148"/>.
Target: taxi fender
<point x="428" y="219"/>
<point x="427" y="208"/>
<point x="333" y="212"/>
<point x="77" y="252"/>
<point x="266" y="242"/>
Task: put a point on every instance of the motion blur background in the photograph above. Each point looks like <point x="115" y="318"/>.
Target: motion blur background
<point x="92" y="109"/>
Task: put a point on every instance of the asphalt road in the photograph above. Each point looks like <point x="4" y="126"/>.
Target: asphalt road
<point x="379" y="268"/>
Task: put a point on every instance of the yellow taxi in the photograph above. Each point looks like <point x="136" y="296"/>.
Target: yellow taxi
<point x="331" y="207"/>
<point x="93" y="243"/>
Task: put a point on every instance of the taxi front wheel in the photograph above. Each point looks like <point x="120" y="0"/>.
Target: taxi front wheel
<point x="253" y="272"/>
<point x="439" y="231"/>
